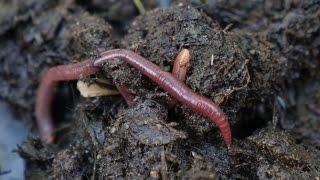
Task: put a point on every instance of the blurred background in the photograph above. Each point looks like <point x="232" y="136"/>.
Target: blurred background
<point x="12" y="132"/>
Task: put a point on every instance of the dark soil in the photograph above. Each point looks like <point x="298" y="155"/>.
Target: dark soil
<point x="258" y="59"/>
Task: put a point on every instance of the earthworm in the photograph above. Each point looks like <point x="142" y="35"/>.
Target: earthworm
<point x="174" y="87"/>
<point x="46" y="90"/>
<point x="126" y="94"/>
<point x="179" y="70"/>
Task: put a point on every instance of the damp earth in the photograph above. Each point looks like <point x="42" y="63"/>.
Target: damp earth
<point x="259" y="60"/>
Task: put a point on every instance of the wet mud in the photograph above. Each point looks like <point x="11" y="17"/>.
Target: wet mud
<point x="259" y="60"/>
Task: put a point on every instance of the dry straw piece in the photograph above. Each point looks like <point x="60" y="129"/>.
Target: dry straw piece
<point x="94" y="90"/>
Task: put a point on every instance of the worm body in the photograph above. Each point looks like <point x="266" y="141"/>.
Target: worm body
<point x="126" y="94"/>
<point x="174" y="87"/>
<point x="179" y="70"/>
<point x="46" y="90"/>
<point x="181" y="65"/>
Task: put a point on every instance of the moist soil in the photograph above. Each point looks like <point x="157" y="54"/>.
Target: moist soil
<point x="259" y="60"/>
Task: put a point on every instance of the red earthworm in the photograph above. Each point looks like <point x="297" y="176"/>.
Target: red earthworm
<point x="126" y="94"/>
<point x="46" y="90"/>
<point x="181" y="65"/>
<point x="179" y="70"/>
<point x="174" y="87"/>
